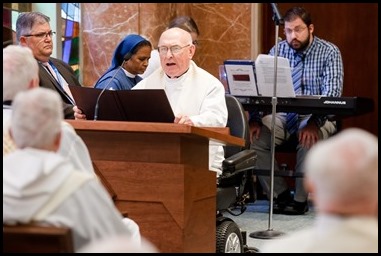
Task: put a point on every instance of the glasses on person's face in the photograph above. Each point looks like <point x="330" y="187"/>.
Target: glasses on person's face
<point x="296" y="30"/>
<point x="42" y="34"/>
<point x="175" y="49"/>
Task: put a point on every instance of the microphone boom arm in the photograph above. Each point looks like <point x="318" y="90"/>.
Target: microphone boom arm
<point x="96" y="109"/>
<point x="277" y="17"/>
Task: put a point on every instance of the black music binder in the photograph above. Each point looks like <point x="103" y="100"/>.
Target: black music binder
<point x="150" y="105"/>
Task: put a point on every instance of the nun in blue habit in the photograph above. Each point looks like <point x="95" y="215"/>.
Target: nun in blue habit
<point x="130" y="59"/>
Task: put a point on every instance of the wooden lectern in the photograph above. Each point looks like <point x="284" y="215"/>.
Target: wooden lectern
<point x="158" y="174"/>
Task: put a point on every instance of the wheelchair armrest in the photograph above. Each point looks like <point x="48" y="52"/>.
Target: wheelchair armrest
<point x="241" y="161"/>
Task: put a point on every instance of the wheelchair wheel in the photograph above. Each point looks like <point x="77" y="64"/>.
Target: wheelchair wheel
<point x="229" y="238"/>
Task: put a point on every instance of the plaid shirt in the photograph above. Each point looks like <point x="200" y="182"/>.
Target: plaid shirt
<point x="323" y="71"/>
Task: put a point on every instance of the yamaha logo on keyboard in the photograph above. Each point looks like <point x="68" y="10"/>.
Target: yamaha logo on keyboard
<point x="335" y="102"/>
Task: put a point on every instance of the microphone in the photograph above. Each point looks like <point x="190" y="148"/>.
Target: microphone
<point x="104" y="89"/>
<point x="276" y="17"/>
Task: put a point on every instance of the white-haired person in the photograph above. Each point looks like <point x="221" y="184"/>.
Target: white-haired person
<point x="342" y="175"/>
<point x="41" y="186"/>
<point x="197" y="97"/>
<point x="184" y="22"/>
<point x="20" y="73"/>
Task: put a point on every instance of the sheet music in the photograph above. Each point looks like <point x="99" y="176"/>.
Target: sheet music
<point x="241" y="78"/>
<point x="264" y="66"/>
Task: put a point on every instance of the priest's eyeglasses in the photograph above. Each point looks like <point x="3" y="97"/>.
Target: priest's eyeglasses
<point x="175" y="49"/>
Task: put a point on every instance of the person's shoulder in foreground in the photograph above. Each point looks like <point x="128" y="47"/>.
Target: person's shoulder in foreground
<point x="342" y="176"/>
<point x="118" y="244"/>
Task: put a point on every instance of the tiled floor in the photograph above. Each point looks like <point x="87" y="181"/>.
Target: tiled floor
<point x="256" y="222"/>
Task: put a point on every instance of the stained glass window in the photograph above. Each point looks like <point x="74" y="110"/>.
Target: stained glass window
<point x="70" y="14"/>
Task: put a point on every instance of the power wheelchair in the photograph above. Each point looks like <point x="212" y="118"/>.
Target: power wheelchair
<point x="235" y="183"/>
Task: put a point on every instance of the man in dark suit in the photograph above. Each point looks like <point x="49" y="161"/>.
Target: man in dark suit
<point x="33" y="31"/>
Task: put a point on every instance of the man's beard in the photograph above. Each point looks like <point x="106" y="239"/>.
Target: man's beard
<point x="301" y="45"/>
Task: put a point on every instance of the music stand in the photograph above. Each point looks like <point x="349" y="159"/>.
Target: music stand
<point x="270" y="233"/>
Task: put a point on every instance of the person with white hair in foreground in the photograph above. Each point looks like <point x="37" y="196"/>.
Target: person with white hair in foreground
<point x="20" y="73"/>
<point x="342" y="175"/>
<point x="41" y="186"/>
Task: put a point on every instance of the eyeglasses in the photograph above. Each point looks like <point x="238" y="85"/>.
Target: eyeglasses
<point x="296" y="30"/>
<point x="42" y="34"/>
<point x="176" y="49"/>
<point x="195" y="42"/>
